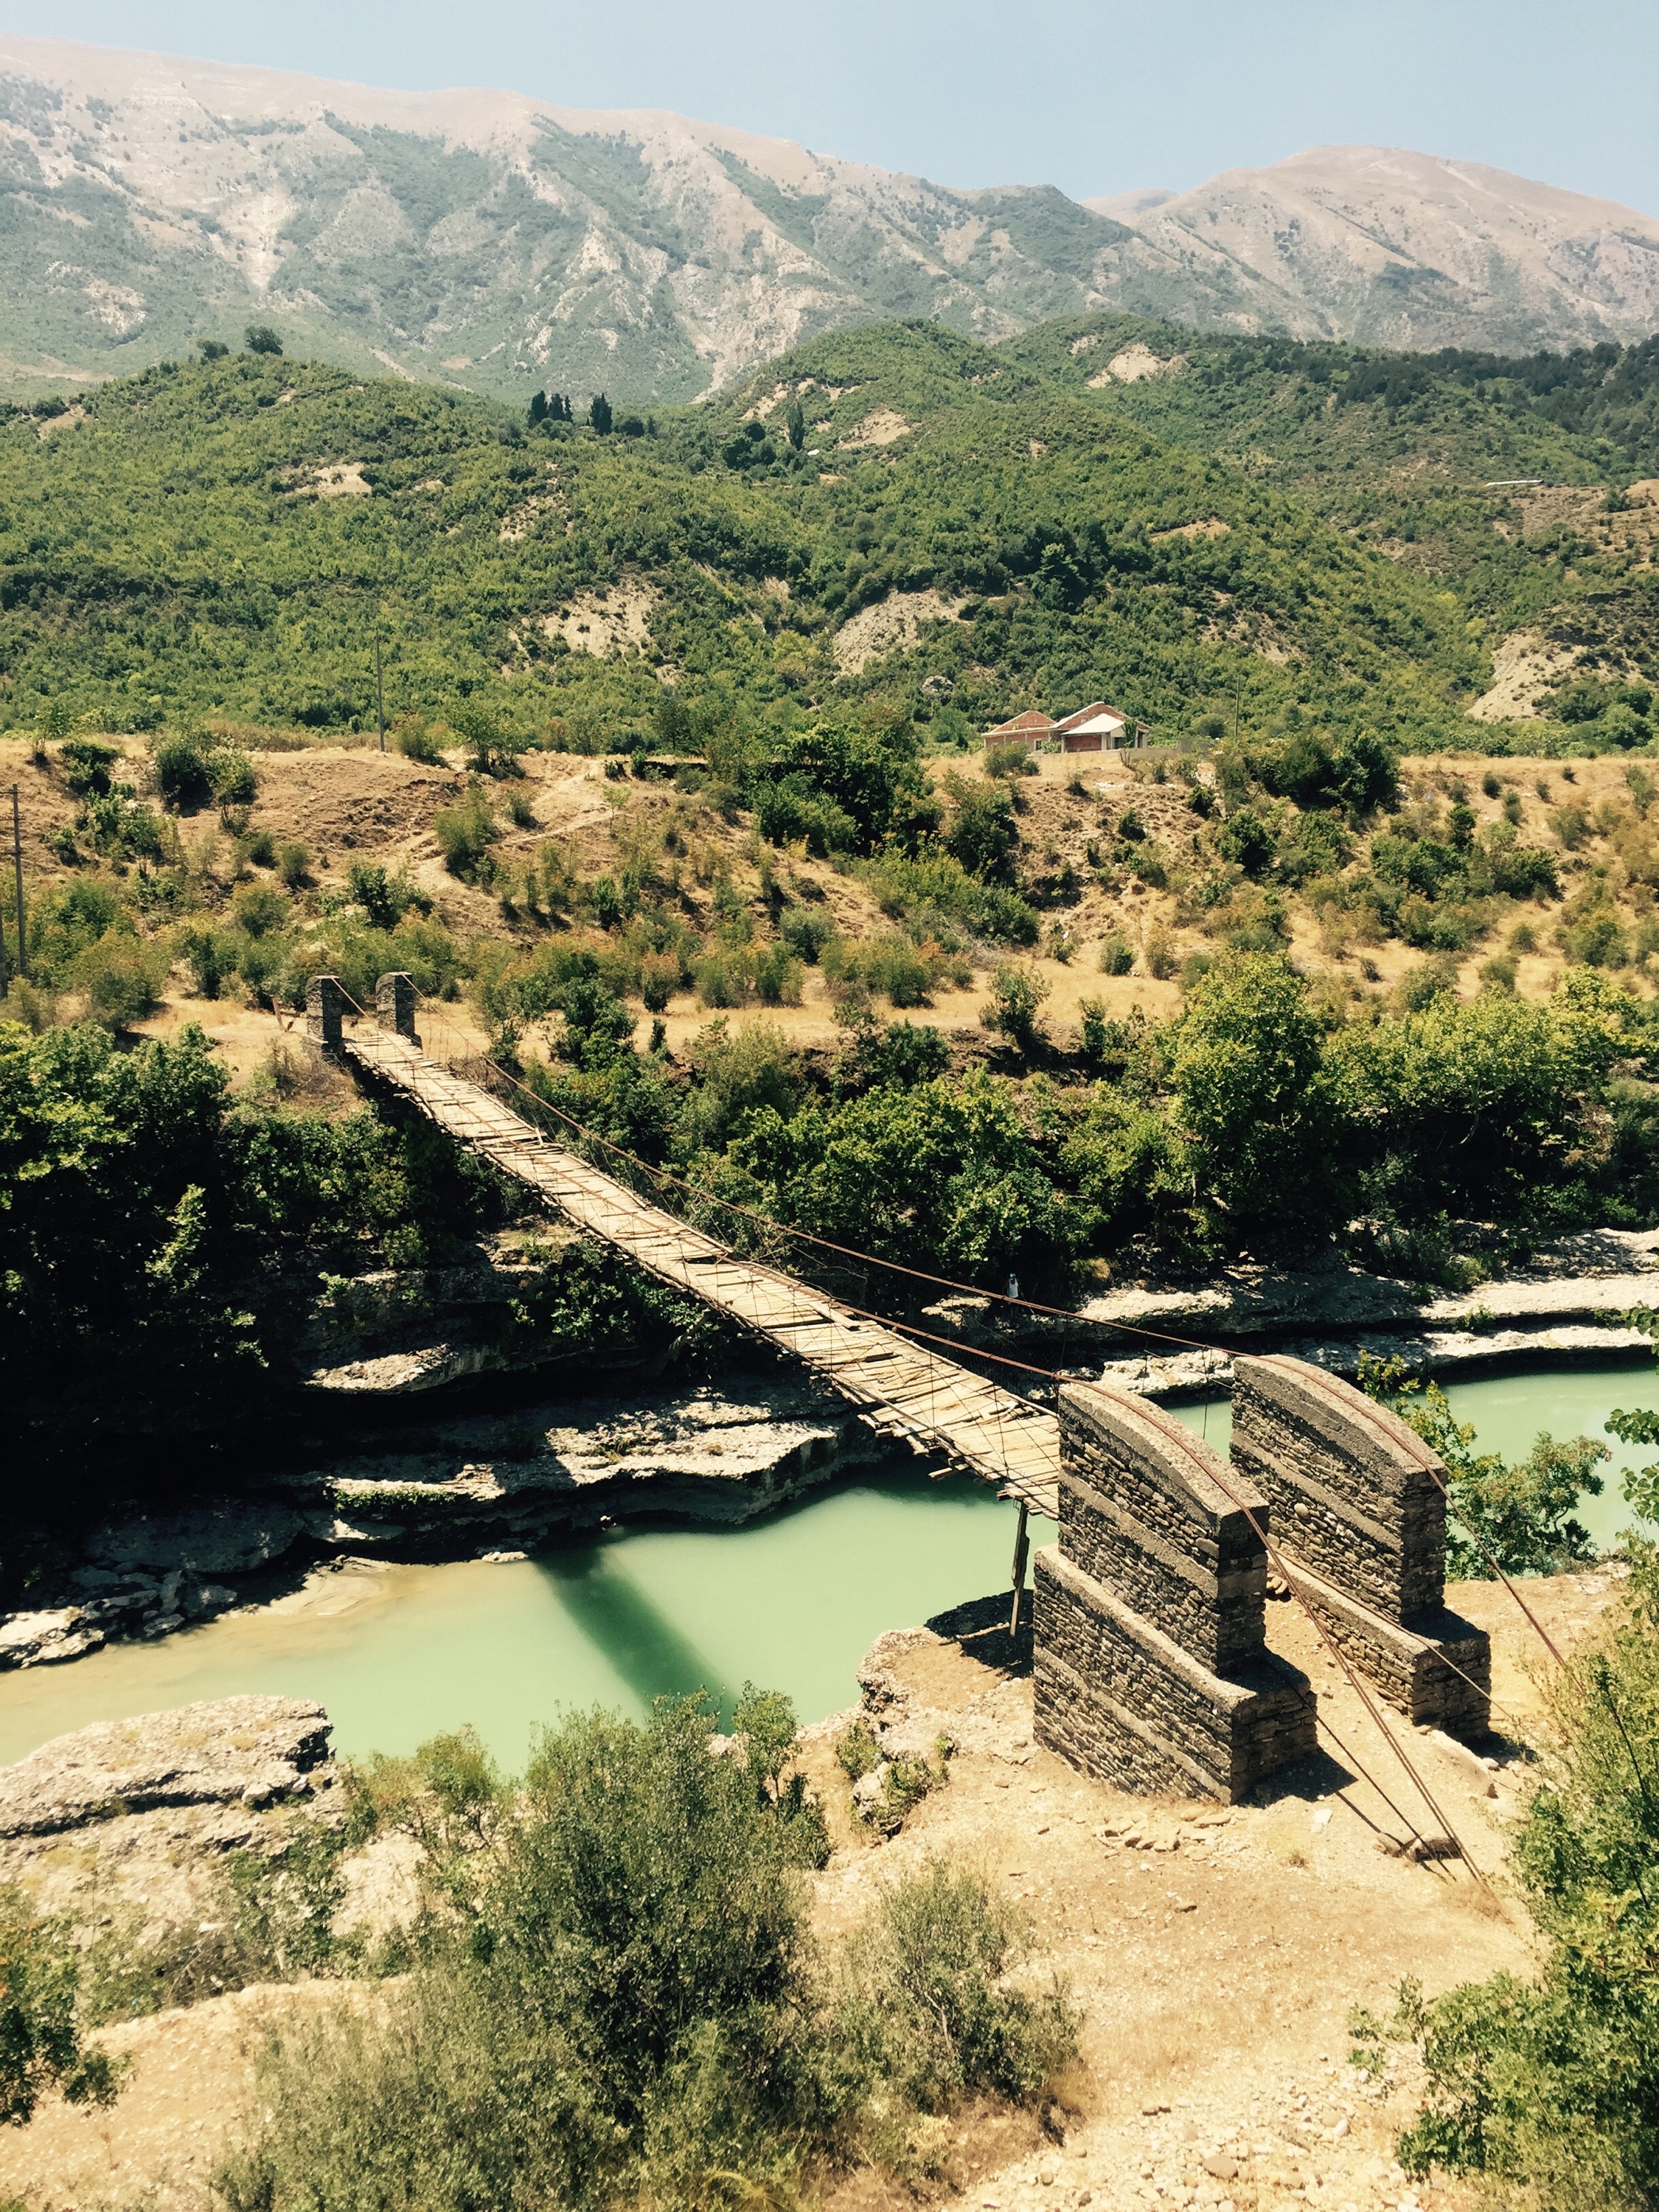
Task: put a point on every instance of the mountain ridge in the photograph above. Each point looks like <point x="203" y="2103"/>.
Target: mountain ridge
<point x="1360" y="243"/>
<point x="492" y="241"/>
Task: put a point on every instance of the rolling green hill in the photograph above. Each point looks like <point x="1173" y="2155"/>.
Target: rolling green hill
<point x="953" y="530"/>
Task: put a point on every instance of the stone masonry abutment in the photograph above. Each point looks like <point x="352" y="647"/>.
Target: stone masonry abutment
<point x="1150" y="1668"/>
<point x="1359" y="1518"/>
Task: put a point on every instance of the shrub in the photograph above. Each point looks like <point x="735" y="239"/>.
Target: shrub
<point x="122" y="980"/>
<point x="607" y="902"/>
<point x="210" y="956"/>
<point x="723" y="978"/>
<point x="86" y="765"/>
<point x="465" y="833"/>
<point x="1010" y="760"/>
<point x="888" y="967"/>
<point x="750" y="1070"/>
<point x="984" y="836"/>
<point x="1159" y="953"/>
<point x="936" y="896"/>
<point x="117" y="826"/>
<point x="293" y="864"/>
<point x="904" y="1054"/>
<point x="40" y="2046"/>
<point x="1094" y="1033"/>
<point x="417" y="742"/>
<point x="490" y="749"/>
<point x="805" y="930"/>
<point x="232" y="779"/>
<point x="627" y="2013"/>
<point x="1117" y="956"/>
<point x="928" y="2005"/>
<point x="1419" y="987"/>
<point x="1598" y="941"/>
<point x="182" y="775"/>
<point x="626" y="2008"/>
<point x="791" y="810"/>
<point x="1498" y="973"/>
<point x="1011" y="1010"/>
<point x="385" y="899"/>
<point x="660" y="978"/>
<point x="777" y="976"/>
<point x="1572" y="825"/>
<point x="259" y="909"/>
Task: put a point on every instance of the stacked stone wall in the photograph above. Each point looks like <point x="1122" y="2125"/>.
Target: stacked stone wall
<point x="1360" y="1517"/>
<point x="1121" y="1701"/>
<point x="1352" y="1489"/>
<point x="1150" y="1668"/>
<point x="1142" y="1513"/>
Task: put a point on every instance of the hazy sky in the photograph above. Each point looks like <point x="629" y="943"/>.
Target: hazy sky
<point x="1092" y="95"/>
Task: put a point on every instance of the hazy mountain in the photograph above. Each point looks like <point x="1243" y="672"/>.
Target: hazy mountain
<point x="488" y="240"/>
<point x="478" y="238"/>
<point x="1390" y="249"/>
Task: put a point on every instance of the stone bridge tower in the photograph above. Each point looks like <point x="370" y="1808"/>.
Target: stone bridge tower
<point x="1359" y="1516"/>
<point x="1152" y="1670"/>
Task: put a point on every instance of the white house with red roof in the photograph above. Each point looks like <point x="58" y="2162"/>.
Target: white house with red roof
<point x="1095" y="728"/>
<point x="1028" y="729"/>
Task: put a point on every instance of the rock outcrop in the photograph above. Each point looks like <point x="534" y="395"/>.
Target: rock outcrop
<point x="249" y="1752"/>
<point x="452" y="1483"/>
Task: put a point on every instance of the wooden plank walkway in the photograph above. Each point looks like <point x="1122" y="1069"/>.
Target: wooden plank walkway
<point x="903" y="1389"/>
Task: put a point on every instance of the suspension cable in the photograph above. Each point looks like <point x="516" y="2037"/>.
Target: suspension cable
<point x="767" y="1222"/>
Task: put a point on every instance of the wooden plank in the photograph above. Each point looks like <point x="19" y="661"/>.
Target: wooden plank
<point x="913" y="1393"/>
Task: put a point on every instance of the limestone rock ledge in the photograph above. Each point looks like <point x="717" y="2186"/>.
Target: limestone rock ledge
<point x="452" y="1483"/>
<point x="250" y="1752"/>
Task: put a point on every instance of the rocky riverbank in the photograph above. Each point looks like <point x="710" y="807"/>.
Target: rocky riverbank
<point x="1565" y="1307"/>
<point x="415" y="1475"/>
<point x="442" y="1482"/>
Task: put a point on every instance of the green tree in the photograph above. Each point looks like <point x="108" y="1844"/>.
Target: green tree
<point x="1513" y="1520"/>
<point x="1260" y="1114"/>
<point x="1549" y="2086"/>
<point x="260" y="337"/>
<point x="984" y="833"/>
<point x="600" y="415"/>
<point x="795" y="424"/>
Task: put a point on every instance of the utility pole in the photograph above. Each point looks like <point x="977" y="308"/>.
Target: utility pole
<point x="380" y="690"/>
<point x="17" y="864"/>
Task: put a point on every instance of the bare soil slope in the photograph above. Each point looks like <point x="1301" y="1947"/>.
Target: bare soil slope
<point x="1215" y="1954"/>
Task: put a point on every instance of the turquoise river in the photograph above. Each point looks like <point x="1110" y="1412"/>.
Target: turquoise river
<point x="792" y="1602"/>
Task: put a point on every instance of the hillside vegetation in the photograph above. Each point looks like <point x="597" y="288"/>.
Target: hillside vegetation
<point x="894" y="518"/>
<point x="681" y="824"/>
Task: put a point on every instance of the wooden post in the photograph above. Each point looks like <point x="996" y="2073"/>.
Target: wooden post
<point x="1022" y="1553"/>
<point x="17" y="866"/>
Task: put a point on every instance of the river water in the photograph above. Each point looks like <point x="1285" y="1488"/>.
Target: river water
<point x="792" y="1602"/>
